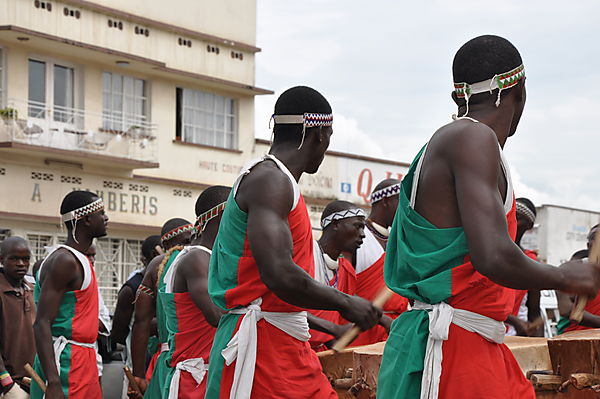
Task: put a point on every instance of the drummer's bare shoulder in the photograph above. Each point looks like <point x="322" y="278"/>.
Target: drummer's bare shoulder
<point x="61" y="264"/>
<point x="464" y="140"/>
<point x="265" y="186"/>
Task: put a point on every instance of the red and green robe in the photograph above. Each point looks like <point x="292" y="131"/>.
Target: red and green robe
<point x="369" y="282"/>
<point x="344" y="280"/>
<point x="160" y="368"/>
<point x="285" y="366"/>
<point x="431" y="265"/>
<point x="190" y="335"/>
<point x="76" y="321"/>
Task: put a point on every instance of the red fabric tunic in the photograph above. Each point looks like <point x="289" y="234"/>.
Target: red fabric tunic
<point x="286" y="368"/>
<point x="152" y="363"/>
<point x="498" y="373"/>
<point x="369" y="282"/>
<point x="76" y="320"/>
<point x="83" y="376"/>
<point x="193" y="340"/>
<point x="344" y="281"/>
<point x="250" y="286"/>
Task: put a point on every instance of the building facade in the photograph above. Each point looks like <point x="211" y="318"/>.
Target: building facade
<point x="559" y="232"/>
<point x="146" y="111"/>
<point x="139" y="109"/>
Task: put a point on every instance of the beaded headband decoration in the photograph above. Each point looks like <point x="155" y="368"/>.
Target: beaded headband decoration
<point x="306" y="120"/>
<point x="346" y="213"/>
<point x="79" y="213"/>
<point x="525" y="211"/>
<point x="385" y="192"/>
<point x="176" y="231"/>
<point x="85" y="210"/>
<point x="500" y="81"/>
<point x="204" y="218"/>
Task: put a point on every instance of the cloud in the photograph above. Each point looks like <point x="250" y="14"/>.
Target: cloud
<point x="349" y="137"/>
<point x="386" y="69"/>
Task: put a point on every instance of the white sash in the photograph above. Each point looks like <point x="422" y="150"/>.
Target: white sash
<point x="440" y="316"/>
<point x="164" y="347"/>
<point x="242" y="345"/>
<point x="60" y="343"/>
<point x="194" y="366"/>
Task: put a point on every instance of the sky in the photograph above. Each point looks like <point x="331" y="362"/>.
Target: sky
<point x="385" y="66"/>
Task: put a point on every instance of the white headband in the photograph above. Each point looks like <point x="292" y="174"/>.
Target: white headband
<point x="83" y="211"/>
<point x="385" y="192"/>
<point x="525" y="211"/>
<point x="75" y="215"/>
<point x="346" y="213"/>
<point x="306" y="120"/>
<point x="500" y="81"/>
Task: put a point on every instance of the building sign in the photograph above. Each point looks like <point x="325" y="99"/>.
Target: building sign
<point x="37" y="191"/>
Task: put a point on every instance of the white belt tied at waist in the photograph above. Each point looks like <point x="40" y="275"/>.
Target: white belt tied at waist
<point x="164" y="347"/>
<point x="242" y="345"/>
<point x="195" y="367"/>
<point x="440" y="316"/>
<point x="60" y="343"/>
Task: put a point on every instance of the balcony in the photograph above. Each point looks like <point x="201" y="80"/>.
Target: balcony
<point x="78" y="135"/>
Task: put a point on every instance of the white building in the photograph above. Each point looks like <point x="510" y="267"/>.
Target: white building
<point x="137" y="108"/>
<point x="560" y="232"/>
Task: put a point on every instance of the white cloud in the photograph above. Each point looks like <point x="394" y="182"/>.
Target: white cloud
<point x="386" y="69"/>
<point x="349" y="137"/>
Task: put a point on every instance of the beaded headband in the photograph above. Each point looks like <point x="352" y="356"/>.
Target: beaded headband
<point x="85" y="210"/>
<point x="212" y="213"/>
<point x="77" y="214"/>
<point x="176" y="231"/>
<point x="385" y="192"/>
<point x="500" y="81"/>
<point x="306" y="120"/>
<point x="525" y="211"/>
<point x="346" y="213"/>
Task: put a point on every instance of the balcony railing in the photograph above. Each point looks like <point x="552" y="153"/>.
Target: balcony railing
<point x="73" y="129"/>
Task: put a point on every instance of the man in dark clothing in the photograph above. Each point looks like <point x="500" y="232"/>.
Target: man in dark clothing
<point x="17" y="313"/>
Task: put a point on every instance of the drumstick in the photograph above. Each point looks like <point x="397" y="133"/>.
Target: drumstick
<point x="581" y="300"/>
<point x="132" y="381"/>
<point x="159" y="250"/>
<point x="349" y="336"/>
<point x="36" y="377"/>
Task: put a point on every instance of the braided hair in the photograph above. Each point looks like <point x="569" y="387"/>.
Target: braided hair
<point x="161" y="267"/>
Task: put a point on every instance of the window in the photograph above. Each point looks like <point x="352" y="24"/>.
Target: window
<point x="51" y="86"/>
<point x="37" y="89"/>
<point x="116" y="258"/>
<point x="206" y="118"/>
<point x="38" y="244"/>
<point x="125" y="102"/>
<point x="63" y="93"/>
